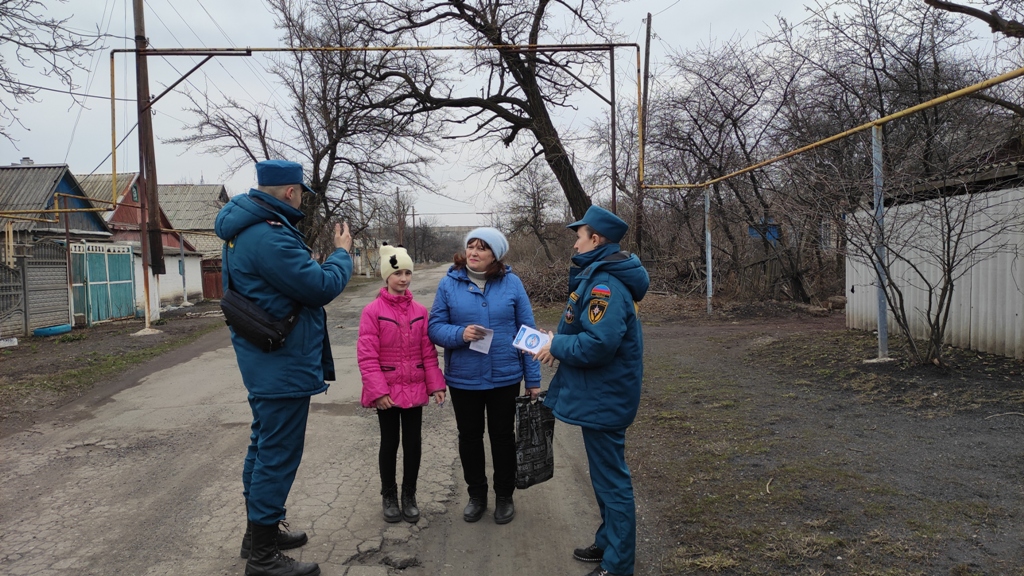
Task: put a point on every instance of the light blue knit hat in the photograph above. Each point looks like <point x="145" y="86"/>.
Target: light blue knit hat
<point x="493" y="238"/>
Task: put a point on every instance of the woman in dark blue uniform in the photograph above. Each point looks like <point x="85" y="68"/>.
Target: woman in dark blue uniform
<point x="600" y="349"/>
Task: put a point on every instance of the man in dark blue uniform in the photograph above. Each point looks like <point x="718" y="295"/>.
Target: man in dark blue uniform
<point x="266" y="260"/>
<point x="599" y="346"/>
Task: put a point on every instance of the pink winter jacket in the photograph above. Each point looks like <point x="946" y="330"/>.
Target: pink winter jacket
<point x="395" y="355"/>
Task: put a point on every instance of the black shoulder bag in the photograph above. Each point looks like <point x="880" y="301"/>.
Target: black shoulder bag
<point x="252" y="322"/>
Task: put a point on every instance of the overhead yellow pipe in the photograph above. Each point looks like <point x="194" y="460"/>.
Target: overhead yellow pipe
<point x="28" y="218"/>
<point x="4" y="213"/>
<point x="867" y="126"/>
<point x="113" y="135"/>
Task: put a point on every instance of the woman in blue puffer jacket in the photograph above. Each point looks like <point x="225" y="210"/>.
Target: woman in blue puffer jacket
<point x="480" y="294"/>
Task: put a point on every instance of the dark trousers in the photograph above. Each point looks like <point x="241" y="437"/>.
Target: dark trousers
<point x="276" y="441"/>
<point x="606" y="454"/>
<point x="499" y="406"/>
<point x="405" y="425"/>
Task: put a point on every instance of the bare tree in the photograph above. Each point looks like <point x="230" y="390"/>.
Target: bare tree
<point x="532" y="207"/>
<point x="39" y="42"/>
<point x="521" y="87"/>
<point x="930" y="245"/>
<point x="721" y="117"/>
<point x="868" y="58"/>
<point x="993" y="16"/>
<point x="358" y="133"/>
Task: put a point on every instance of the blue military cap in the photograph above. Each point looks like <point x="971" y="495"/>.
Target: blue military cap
<point x="280" y="173"/>
<point x="603" y="222"/>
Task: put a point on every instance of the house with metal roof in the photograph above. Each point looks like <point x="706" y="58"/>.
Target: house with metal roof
<point x="35" y="282"/>
<point x="29" y="194"/>
<point x="125" y="217"/>
<point x="183" y="278"/>
<point x="194" y="208"/>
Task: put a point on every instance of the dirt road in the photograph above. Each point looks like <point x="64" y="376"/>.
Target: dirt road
<point x="147" y="481"/>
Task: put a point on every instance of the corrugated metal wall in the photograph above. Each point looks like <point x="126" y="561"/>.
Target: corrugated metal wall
<point x="49" y="303"/>
<point x="12" y="303"/>
<point x="987" y="311"/>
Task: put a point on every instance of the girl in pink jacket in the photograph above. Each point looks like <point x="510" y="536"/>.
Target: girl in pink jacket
<point x="400" y="372"/>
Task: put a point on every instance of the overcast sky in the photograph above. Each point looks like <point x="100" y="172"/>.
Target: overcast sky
<point x="58" y="131"/>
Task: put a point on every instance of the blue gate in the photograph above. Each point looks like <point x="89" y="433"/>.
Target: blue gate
<point x="102" y="282"/>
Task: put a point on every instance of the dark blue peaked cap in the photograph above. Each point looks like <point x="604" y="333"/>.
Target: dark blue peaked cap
<point x="280" y="173"/>
<point x="603" y="222"/>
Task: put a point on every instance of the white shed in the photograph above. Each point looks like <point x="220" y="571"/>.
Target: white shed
<point x="987" y="311"/>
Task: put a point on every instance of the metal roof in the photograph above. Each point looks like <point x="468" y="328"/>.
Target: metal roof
<point x="98" y="187"/>
<point x="1009" y="173"/>
<point x="31" y="187"/>
<point x="192" y="206"/>
<point x="209" y="246"/>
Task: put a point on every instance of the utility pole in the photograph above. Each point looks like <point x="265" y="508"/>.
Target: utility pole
<point x="638" y="218"/>
<point x="413" y="233"/>
<point x="147" y="155"/>
<point x="400" y="217"/>
<point x="614" y="136"/>
<point x="363" y="224"/>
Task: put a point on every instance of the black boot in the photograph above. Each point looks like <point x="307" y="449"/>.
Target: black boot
<point x="265" y="559"/>
<point x="410" y="512"/>
<point x="285" y="540"/>
<point x="390" y="502"/>
<point x="504" y="510"/>
<point x="475" y="509"/>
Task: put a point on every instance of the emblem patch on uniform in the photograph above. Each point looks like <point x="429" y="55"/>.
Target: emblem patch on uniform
<point x="601" y="291"/>
<point x="596" y="310"/>
<point x="569" y="315"/>
<point x="574" y="297"/>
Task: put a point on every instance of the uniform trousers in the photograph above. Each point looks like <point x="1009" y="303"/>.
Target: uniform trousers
<point x="606" y="455"/>
<point x="275" y="450"/>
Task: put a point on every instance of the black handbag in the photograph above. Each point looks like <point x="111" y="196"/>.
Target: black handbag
<point x="535" y="435"/>
<point x="252" y="322"/>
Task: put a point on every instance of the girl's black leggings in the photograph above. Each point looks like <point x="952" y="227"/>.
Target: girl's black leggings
<point x="400" y="425"/>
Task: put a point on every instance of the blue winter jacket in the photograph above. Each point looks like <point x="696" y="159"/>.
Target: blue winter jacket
<point x="599" y="343"/>
<point x="502" y="306"/>
<point x="266" y="259"/>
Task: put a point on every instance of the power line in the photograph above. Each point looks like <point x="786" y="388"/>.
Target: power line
<point x="60" y="91"/>
<point x="92" y="76"/>
<point x="259" y="76"/>
<point x="111" y="152"/>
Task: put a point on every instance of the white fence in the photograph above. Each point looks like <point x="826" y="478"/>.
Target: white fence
<point x="987" y="311"/>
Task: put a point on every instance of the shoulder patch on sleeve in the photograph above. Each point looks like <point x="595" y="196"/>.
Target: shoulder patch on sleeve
<point x="595" y="312"/>
<point x="601" y="291"/>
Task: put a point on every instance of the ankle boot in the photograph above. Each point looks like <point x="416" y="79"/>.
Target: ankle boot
<point x="504" y="510"/>
<point x="475" y="509"/>
<point x="410" y="512"/>
<point x="390" y="504"/>
<point x="265" y="559"/>
<point x="285" y="540"/>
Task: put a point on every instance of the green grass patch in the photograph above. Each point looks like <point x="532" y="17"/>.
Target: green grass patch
<point x="71" y="337"/>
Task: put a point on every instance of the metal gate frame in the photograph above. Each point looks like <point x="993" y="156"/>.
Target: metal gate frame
<point x="12" y="302"/>
<point x="94" y="293"/>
